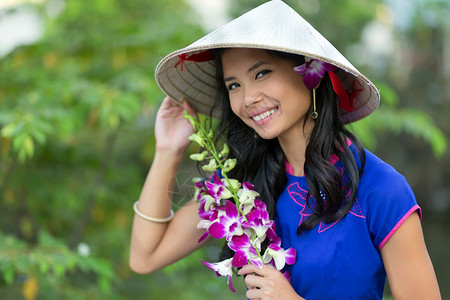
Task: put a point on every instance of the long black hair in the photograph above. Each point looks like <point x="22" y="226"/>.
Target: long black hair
<point x="262" y="162"/>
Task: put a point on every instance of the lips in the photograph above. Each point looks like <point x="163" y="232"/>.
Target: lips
<point x="264" y="114"/>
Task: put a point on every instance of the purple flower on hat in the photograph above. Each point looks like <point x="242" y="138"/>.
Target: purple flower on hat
<point x="314" y="70"/>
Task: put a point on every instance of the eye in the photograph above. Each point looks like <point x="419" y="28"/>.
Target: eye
<point x="262" y="73"/>
<point x="233" y="86"/>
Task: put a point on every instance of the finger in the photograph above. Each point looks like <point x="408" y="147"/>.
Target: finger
<point x="253" y="281"/>
<point x="169" y="102"/>
<point x="165" y="105"/>
<point x="247" y="269"/>
<point x="189" y="108"/>
<point x="253" y="294"/>
<point x="250" y="269"/>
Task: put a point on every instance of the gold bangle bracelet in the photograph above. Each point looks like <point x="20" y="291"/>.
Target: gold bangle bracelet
<point x="156" y="220"/>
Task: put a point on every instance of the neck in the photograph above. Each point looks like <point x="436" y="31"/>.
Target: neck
<point x="294" y="147"/>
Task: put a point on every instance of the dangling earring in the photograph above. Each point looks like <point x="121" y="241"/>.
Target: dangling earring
<point x="314" y="114"/>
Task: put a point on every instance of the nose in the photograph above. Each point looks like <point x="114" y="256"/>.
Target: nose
<point x="252" y="96"/>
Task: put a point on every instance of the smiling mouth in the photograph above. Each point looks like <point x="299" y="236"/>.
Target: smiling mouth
<point x="264" y="115"/>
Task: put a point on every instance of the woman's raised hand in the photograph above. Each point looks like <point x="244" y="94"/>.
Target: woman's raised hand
<point x="171" y="128"/>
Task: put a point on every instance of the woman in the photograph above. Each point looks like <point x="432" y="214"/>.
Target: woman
<point x="284" y="95"/>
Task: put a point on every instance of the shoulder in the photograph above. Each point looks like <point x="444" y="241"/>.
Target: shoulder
<point x="386" y="198"/>
<point x="380" y="177"/>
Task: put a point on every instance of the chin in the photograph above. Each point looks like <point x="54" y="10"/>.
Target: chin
<point x="267" y="136"/>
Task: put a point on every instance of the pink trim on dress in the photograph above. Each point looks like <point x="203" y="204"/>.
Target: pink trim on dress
<point x="402" y="220"/>
<point x="334" y="158"/>
<point x="288" y="167"/>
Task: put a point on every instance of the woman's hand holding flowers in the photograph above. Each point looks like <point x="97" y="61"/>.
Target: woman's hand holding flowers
<point x="267" y="283"/>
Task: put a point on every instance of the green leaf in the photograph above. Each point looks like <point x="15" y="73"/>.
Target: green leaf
<point x="11" y="129"/>
<point x="233" y="183"/>
<point x="229" y="165"/>
<point x="104" y="284"/>
<point x="196" y="138"/>
<point x="28" y="146"/>
<point x="225" y="151"/>
<point x="39" y="136"/>
<point x="44" y="266"/>
<point x="211" y="166"/>
<point x="210" y="134"/>
<point x="59" y="269"/>
<point x="8" y="274"/>
<point x="199" y="156"/>
<point x="388" y="95"/>
<point x="192" y="120"/>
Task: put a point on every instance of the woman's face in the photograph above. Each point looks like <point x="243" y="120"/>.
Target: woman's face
<point x="266" y="93"/>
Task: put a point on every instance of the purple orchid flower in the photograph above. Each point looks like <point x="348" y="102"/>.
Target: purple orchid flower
<point x="211" y="193"/>
<point x="247" y="197"/>
<point x="228" y="224"/>
<point x="274" y="253"/>
<point x="223" y="268"/>
<point x="206" y="223"/>
<point x="314" y="70"/>
<point x="272" y="235"/>
<point x="287" y="275"/>
<point x="203" y="224"/>
<point x="260" y="204"/>
<point x="245" y="252"/>
<point x="204" y="210"/>
<point x="217" y="189"/>
<point x="207" y="201"/>
<point x="258" y="220"/>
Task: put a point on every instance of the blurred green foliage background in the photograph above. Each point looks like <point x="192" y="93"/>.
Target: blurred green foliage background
<point x="77" y="109"/>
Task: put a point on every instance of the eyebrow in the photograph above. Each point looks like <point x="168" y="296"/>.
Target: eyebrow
<point x="251" y="69"/>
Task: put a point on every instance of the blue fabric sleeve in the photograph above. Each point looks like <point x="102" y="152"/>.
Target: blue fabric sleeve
<point x="390" y="201"/>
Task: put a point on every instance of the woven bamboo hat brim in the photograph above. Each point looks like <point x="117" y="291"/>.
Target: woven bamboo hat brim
<point x="273" y="26"/>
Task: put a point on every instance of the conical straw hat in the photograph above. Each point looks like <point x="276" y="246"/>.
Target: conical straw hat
<point x="273" y="26"/>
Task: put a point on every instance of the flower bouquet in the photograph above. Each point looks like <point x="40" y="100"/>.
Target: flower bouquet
<point x="230" y="210"/>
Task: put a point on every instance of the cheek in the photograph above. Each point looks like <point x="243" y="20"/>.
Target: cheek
<point x="235" y="105"/>
<point x="302" y="94"/>
<point x="236" y="108"/>
<point x="305" y="95"/>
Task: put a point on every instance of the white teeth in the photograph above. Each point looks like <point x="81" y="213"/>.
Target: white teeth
<point x="264" y="115"/>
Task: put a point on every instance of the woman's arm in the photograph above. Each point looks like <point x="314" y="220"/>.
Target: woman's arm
<point x="407" y="263"/>
<point x="155" y="245"/>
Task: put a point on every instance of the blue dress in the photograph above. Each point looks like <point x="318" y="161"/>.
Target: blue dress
<point x="342" y="260"/>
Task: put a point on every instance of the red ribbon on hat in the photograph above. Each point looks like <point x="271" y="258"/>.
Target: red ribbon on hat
<point x="346" y="98"/>
<point x="197" y="57"/>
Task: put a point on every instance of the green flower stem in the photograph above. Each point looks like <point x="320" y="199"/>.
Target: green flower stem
<point x="209" y="145"/>
<point x="213" y="151"/>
